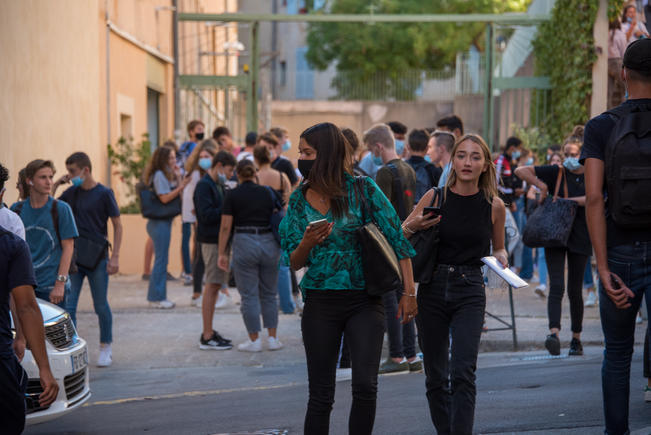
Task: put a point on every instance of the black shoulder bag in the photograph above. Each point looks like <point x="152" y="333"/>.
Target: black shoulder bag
<point x="425" y="243"/>
<point x="379" y="261"/>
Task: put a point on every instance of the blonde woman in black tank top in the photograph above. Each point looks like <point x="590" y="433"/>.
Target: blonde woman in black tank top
<point x="454" y="301"/>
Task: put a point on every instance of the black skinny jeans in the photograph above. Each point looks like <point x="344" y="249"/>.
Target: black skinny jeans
<point x="452" y="304"/>
<point x="402" y="338"/>
<point x="555" y="258"/>
<point x="326" y="316"/>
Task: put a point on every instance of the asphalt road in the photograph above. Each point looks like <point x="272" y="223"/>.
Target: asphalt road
<point x="517" y="393"/>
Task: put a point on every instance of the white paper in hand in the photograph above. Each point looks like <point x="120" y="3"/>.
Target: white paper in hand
<point x="505" y="273"/>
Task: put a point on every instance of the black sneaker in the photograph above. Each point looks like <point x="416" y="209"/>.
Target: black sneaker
<point x="216" y="342"/>
<point x="576" y="348"/>
<point x="219" y="337"/>
<point x="553" y="344"/>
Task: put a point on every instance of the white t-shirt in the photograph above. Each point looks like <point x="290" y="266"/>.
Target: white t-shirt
<point x="10" y="221"/>
<point x="245" y="155"/>
<point x="187" y="204"/>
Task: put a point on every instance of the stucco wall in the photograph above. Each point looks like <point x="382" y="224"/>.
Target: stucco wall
<point x="49" y="83"/>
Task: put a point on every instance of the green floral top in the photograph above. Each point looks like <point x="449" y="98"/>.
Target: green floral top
<point x="336" y="264"/>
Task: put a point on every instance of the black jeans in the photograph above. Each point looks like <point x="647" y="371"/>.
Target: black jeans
<point x="555" y="258"/>
<point x="402" y="338"/>
<point x="452" y="304"/>
<point x="13" y="383"/>
<point x="326" y="316"/>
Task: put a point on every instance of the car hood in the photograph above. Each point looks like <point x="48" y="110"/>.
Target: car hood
<point x="49" y="311"/>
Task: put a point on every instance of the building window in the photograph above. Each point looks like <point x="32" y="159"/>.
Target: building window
<point x="296" y="6"/>
<point x="304" y="76"/>
<point x="153" y="117"/>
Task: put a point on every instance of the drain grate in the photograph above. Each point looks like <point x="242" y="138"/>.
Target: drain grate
<point x="541" y="357"/>
<point x="258" y="432"/>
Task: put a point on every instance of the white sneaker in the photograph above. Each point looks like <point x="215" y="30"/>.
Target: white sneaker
<point x="223" y="300"/>
<point x="105" y="357"/>
<point x="196" y="302"/>
<point x="274" y="344"/>
<point x="591" y="300"/>
<point x="250" y="346"/>
<point x="162" y="305"/>
<point x="540" y="290"/>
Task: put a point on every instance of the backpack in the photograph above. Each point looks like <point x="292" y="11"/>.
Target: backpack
<point x="55" y="222"/>
<point x="398" y="189"/>
<point x="424" y="180"/>
<point x="628" y="167"/>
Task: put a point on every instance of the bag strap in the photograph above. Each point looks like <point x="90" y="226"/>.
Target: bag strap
<point x="55" y="218"/>
<point x="19" y="207"/>
<point x="361" y="199"/>
<point x="397" y="188"/>
<point x="558" y="183"/>
<point x="436" y="197"/>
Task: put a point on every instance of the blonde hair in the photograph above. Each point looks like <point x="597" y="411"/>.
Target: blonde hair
<point x="192" y="162"/>
<point x="379" y="133"/>
<point x="487" y="180"/>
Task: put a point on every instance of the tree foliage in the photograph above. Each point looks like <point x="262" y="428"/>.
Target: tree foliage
<point x="361" y="51"/>
<point x="129" y="160"/>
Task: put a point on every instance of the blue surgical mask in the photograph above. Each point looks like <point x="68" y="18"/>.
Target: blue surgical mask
<point x="515" y="155"/>
<point x="222" y="178"/>
<point x="571" y="163"/>
<point x="529" y="161"/>
<point x="377" y="160"/>
<point x="205" y="163"/>
<point x="428" y="159"/>
<point x="400" y="146"/>
<point x="287" y="145"/>
<point x="629" y="19"/>
<point x="77" y="181"/>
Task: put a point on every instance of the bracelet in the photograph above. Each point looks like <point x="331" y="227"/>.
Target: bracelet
<point x="413" y="295"/>
<point x="406" y="228"/>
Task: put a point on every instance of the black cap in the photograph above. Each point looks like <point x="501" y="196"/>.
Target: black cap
<point x="638" y="56"/>
<point x="251" y="138"/>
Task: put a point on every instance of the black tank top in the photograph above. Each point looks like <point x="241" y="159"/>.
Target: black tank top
<point x="465" y="230"/>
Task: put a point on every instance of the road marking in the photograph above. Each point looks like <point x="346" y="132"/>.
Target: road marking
<point x="190" y="394"/>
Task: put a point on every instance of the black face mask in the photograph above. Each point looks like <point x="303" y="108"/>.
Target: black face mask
<point x="198" y="136"/>
<point x="305" y="166"/>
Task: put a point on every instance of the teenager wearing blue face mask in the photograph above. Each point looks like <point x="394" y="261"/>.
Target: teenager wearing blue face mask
<point x="199" y="162"/>
<point x="578" y="248"/>
<point x="92" y="206"/>
<point x="631" y="26"/>
<point x="399" y="131"/>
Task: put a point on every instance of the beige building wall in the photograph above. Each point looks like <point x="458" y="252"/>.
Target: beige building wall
<point x="49" y="82"/>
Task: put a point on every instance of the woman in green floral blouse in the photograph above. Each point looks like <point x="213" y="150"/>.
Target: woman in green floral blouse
<point x="333" y="286"/>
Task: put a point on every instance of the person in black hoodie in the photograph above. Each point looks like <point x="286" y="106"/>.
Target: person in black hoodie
<point x="208" y="202"/>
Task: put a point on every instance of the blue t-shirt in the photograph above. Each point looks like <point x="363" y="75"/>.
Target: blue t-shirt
<point x="595" y="139"/>
<point x="161" y="184"/>
<point x="92" y="208"/>
<point x="42" y="238"/>
<point x="444" y="175"/>
<point x="15" y="271"/>
<point x="367" y="165"/>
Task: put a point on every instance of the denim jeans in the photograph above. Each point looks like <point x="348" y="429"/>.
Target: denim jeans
<point x="186" y="234"/>
<point x="160" y="231"/>
<point x="452" y="304"/>
<point x="402" y="338"/>
<point x="328" y="314"/>
<point x="98" y="281"/>
<point x="287" y="304"/>
<point x="44" y="293"/>
<point x="632" y="263"/>
<point x="255" y="265"/>
<point x="542" y="265"/>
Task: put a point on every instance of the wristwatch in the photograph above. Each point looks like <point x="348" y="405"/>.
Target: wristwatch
<point x="62" y="278"/>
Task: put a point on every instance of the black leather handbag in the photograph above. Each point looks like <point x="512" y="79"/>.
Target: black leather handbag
<point x="152" y="208"/>
<point x="425" y="243"/>
<point x="379" y="261"/>
<point x="550" y="224"/>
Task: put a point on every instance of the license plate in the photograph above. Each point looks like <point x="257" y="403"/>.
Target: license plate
<point x="79" y="360"/>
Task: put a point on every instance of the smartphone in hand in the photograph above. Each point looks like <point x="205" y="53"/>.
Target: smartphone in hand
<point x="318" y="223"/>
<point x="434" y="212"/>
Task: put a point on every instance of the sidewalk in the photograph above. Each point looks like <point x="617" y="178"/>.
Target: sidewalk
<point x="150" y="338"/>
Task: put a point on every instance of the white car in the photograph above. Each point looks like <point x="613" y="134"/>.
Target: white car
<point x="68" y="355"/>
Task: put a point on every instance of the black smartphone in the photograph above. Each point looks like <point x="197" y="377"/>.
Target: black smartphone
<point x="434" y="211"/>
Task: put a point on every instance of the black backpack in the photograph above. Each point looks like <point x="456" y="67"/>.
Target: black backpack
<point x="424" y="180"/>
<point x="628" y="167"/>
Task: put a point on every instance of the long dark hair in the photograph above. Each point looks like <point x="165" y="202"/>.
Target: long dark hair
<point x="624" y="11"/>
<point x="333" y="161"/>
<point x="159" y="162"/>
